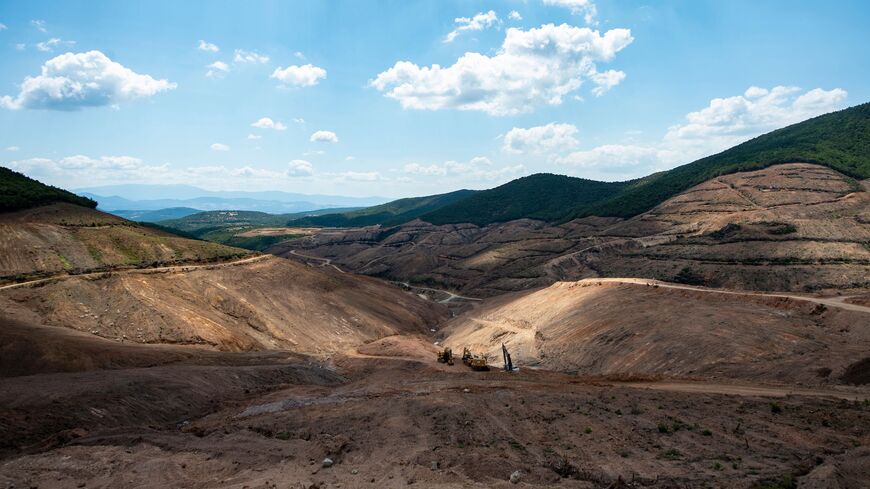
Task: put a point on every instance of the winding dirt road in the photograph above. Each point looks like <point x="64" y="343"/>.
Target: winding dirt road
<point x="327" y="262"/>
<point x="838" y="302"/>
<point x="171" y="268"/>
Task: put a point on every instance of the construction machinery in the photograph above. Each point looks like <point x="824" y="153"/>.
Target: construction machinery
<point x="445" y="356"/>
<point x="474" y="362"/>
<point x="508" y="364"/>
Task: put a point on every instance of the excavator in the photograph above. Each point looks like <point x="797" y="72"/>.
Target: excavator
<point x="445" y="356"/>
<point x="474" y="361"/>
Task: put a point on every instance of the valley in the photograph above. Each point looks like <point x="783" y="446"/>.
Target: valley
<point x="711" y="334"/>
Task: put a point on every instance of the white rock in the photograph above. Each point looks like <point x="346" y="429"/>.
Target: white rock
<point x="327" y="462"/>
<point x="515" y="477"/>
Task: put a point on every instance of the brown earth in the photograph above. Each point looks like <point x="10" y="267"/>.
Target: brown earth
<point x="268" y="303"/>
<point x="62" y="238"/>
<point x="797" y="227"/>
<point x="397" y="422"/>
<point x="643" y="328"/>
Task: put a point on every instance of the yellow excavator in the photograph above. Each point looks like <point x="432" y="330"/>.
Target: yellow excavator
<point x="474" y="362"/>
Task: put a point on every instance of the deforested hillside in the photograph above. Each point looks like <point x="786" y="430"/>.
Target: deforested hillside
<point x="637" y="328"/>
<point x="260" y="304"/>
<point x="21" y="192"/>
<point x="64" y="238"/>
<point x="797" y="226"/>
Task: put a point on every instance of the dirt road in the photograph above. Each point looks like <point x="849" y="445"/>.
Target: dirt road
<point x="838" y="302"/>
<point x="172" y="268"/>
<point x="743" y="390"/>
<point x="327" y="262"/>
<point x="450" y="295"/>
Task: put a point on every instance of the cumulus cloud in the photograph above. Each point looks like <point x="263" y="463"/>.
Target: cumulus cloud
<point x="724" y="123"/>
<point x="217" y="69"/>
<point x="477" y="23"/>
<point x="2" y="26"/>
<point x="241" y="56"/>
<point x="207" y="46"/>
<point x="578" y="7"/>
<point x="81" y="170"/>
<point x="551" y="138"/>
<point x="324" y="137"/>
<point x="73" y="81"/>
<point x="39" y="25"/>
<point x="219" y="147"/>
<point x="536" y="67"/>
<point x="299" y="168"/>
<point x="254" y="136"/>
<point x="514" y="15"/>
<point x="299" y="76"/>
<point x="268" y="123"/>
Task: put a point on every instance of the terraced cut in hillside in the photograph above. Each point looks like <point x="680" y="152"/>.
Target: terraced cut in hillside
<point x="268" y="303"/>
<point x="787" y="227"/>
<point x="64" y="238"/>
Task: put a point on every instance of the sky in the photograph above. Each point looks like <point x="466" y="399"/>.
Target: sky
<point x="403" y="98"/>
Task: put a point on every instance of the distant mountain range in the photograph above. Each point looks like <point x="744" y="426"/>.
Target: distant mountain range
<point x="141" y="197"/>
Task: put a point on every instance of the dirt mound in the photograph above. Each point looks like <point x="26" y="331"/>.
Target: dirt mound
<point x="62" y="238"/>
<point x="787" y="227"/>
<point x="598" y="327"/>
<point x="269" y="303"/>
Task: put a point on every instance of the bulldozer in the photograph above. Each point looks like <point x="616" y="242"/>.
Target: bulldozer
<point x="445" y="356"/>
<point x="474" y="362"/>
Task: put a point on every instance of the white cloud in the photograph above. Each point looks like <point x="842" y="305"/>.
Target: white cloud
<point x="299" y="120"/>
<point x="80" y="170"/>
<point x="49" y="45"/>
<point x="314" y="152"/>
<point x="300" y="168"/>
<point x="477" y="23"/>
<point x="72" y="81"/>
<point x="324" y="137"/>
<point x="578" y="7"/>
<point x="39" y="25"/>
<point x="299" y="76"/>
<point x="551" y="138"/>
<point x="514" y="15"/>
<point x="605" y="81"/>
<point x="254" y="136"/>
<point x="207" y="46"/>
<point x="477" y="168"/>
<point x="356" y="176"/>
<point x="219" y="147"/>
<point x="724" y="123"/>
<point x="299" y="55"/>
<point x="20" y="46"/>
<point x="2" y="26"/>
<point x="349" y="158"/>
<point x="268" y="123"/>
<point x="532" y="68"/>
<point x="241" y="56"/>
<point x="217" y="69"/>
<point x="12" y="148"/>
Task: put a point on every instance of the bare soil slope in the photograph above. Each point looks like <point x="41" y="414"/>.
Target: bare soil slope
<point x="787" y="227"/>
<point x="596" y="327"/>
<point x="269" y="303"/>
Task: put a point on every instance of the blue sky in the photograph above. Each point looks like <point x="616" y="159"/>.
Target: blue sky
<point x="105" y="92"/>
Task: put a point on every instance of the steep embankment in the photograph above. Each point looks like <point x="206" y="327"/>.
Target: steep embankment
<point x="269" y="303"/>
<point x="787" y="227"/>
<point x="638" y="329"/>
